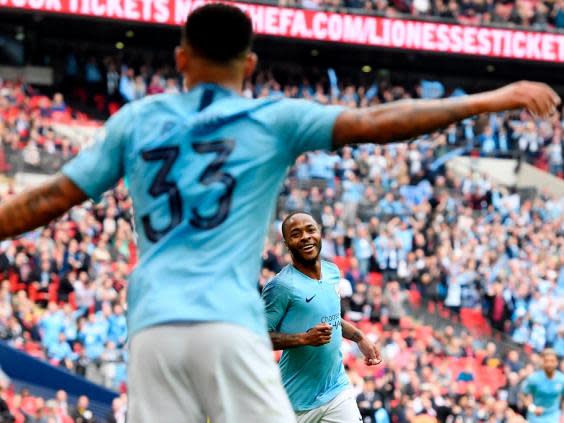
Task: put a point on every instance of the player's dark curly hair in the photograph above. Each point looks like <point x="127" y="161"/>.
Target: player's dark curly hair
<point x="219" y="32"/>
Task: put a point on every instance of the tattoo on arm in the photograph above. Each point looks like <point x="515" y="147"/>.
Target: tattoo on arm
<point x="350" y="332"/>
<point x="356" y="337"/>
<point x="284" y="341"/>
<point x="400" y="120"/>
<point x="38" y="206"/>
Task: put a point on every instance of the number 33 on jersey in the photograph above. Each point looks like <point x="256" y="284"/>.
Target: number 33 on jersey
<point x="203" y="170"/>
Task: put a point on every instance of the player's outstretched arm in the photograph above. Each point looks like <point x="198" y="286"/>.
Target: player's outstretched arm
<point x="38" y="206"/>
<point x="403" y="120"/>
<point x="368" y="349"/>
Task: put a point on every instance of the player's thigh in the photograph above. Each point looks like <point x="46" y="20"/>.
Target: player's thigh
<point x="244" y="383"/>
<point x="310" y="416"/>
<point x="343" y="409"/>
<point x="159" y="387"/>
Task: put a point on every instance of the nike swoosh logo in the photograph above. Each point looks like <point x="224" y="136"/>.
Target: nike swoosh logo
<point x="309" y="299"/>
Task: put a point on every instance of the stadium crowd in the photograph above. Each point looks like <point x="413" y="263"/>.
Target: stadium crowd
<point x="394" y="219"/>
<point x="22" y="407"/>
<point x="501" y="135"/>
<point x="538" y="15"/>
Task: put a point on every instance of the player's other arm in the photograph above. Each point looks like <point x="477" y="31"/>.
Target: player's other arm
<point x="38" y="206"/>
<point x="403" y="120"/>
<point x="351" y="332"/>
<point x="530" y="405"/>
<point x="528" y="399"/>
<point x="369" y="349"/>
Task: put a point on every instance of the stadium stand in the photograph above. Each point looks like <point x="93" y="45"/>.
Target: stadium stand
<point x="459" y="279"/>
<point x="405" y="232"/>
<point x="44" y="136"/>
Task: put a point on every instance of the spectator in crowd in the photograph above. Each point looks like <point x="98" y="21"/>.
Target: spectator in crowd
<point x="117" y="414"/>
<point x="81" y="413"/>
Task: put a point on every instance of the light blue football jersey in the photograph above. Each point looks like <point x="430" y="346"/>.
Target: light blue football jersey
<point x="547" y="393"/>
<point x="204" y="170"/>
<point x="295" y="303"/>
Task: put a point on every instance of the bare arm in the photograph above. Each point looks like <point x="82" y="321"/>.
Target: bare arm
<point x="316" y="336"/>
<point x="530" y="405"/>
<point x="350" y="332"/>
<point x="38" y="206"/>
<point x="526" y="399"/>
<point x="403" y="120"/>
<point x="283" y="341"/>
<point x="370" y="350"/>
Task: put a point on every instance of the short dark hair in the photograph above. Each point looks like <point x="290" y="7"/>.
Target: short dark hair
<point x="287" y="219"/>
<point x="219" y="32"/>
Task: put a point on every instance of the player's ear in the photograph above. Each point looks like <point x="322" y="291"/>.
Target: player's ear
<point x="250" y="64"/>
<point x="181" y="57"/>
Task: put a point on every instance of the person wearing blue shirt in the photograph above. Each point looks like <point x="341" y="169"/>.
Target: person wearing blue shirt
<point x="559" y="342"/>
<point x="118" y="326"/>
<point x="70" y="327"/>
<point x="51" y="325"/>
<point x="204" y="169"/>
<point x="61" y="350"/>
<point x="303" y="311"/>
<point x="543" y="391"/>
<point x="93" y="338"/>
<point x="103" y="319"/>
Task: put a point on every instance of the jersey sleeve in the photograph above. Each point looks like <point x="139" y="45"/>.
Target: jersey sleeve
<point x="98" y="167"/>
<point x="276" y="298"/>
<point x="304" y="125"/>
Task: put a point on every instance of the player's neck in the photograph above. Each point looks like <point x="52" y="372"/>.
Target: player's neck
<point x="312" y="270"/>
<point x="223" y="77"/>
<point x="549" y="375"/>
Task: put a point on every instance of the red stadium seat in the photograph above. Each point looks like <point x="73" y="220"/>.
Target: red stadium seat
<point x="15" y="284"/>
<point x="72" y="300"/>
<point x="113" y="108"/>
<point x="342" y="263"/>
<point x="375" y="278"/>
<point x="414" y="297"/>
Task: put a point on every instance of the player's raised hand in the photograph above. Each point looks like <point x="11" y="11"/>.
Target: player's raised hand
<point x="370" y="351"/>
<point x="319" y="335"/>
<point x="538" y="98"/>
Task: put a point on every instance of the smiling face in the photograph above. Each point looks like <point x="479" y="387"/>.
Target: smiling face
<point x="303" y="238"/>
